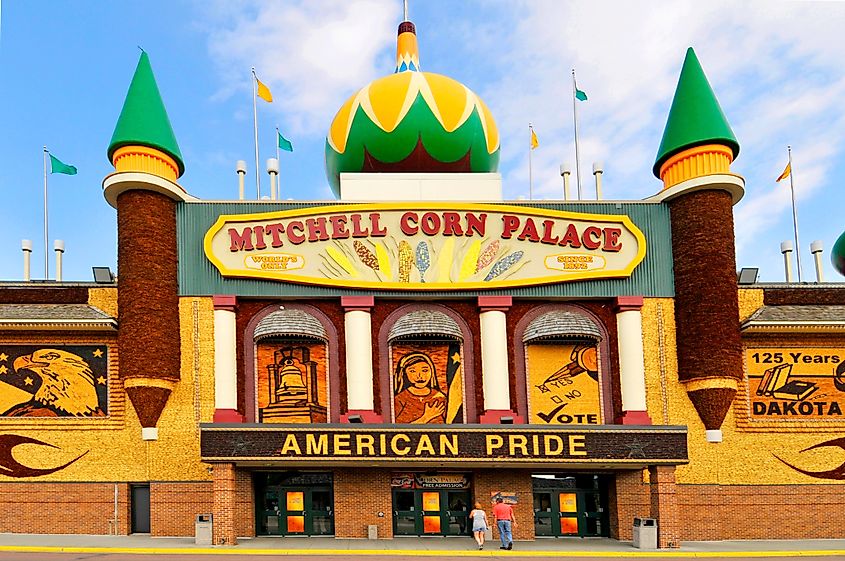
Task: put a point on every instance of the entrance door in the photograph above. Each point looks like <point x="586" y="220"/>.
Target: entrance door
<point x="140" y="509"/>
<point x="561" y="508"/>
<point x="289" y="507"/>
<point x="434" y="512"/>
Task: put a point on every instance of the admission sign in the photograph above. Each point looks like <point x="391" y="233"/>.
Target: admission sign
<point x="429" y="246"/>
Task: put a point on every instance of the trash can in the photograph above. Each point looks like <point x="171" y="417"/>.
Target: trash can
<point x="645" y="533"/>
<point x="202" y="529"/>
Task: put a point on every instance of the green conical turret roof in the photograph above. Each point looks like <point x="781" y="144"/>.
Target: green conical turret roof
<point x="143" y="120"/>
<point x="695" y="118"/>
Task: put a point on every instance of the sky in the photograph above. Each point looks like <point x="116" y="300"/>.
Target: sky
<point x="65" y="66"/>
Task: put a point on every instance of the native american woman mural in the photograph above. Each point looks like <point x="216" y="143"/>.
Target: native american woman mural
<point x="427" y="382"/>
<point x="291" y="382"/>
<point x="53" y="381"/>
<point x="563" y="383"/>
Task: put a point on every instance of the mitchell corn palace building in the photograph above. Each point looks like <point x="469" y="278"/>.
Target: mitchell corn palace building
<point x="374" y="366"/>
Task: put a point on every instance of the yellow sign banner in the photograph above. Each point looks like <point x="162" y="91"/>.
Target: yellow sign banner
<point x="424" y="246"/>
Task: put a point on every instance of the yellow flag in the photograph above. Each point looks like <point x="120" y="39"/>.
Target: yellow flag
<point x="534" y="142"/>
<point x="785" y="173"/>
<point x="264" y="91"/>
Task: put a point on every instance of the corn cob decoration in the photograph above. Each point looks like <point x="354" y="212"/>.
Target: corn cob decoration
<point x="384" y="262"/>
<point x="444" y="260"/>
<point x="341" y="259"/>
<point x="503" y="265"/>
<point x="423" y="259"/>
<point x="487" y="255"/>
<point x="406" y="261"/>
<point x="470" y="260"/>
<point x="366" y="256"/>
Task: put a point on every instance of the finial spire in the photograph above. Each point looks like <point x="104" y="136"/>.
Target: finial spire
<point x="407" y="50"/>
<point x="405" y="4"/>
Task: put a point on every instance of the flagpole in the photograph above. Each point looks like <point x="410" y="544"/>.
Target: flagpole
<point x="794" y="213"/>
<point x="575" y="121"/>
<point x="255" y="130"/>
<point x="530" y="170"/>
<point x="278" y="175"/>
<point x="46" y="236"/>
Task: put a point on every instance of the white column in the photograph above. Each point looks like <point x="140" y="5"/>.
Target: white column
<point x="494" y="354"/>
<point x="359" y="353"/>
<point x="629" y="328"/>
<point x="225" y="360"/>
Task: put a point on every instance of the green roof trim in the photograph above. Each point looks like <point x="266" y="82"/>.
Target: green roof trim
<point x="143" y="120"/>
<point x="695" y="118"/>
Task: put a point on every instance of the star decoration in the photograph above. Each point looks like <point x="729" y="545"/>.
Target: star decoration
<point x="636" y="449"/>
<point x="98" y="353"/>
<point x="101" y="380"/>
<point x="3" y="369"/>
<point x="27" y="381"/>
<point x="456" y="357"/>
<point x="3" y="357"/>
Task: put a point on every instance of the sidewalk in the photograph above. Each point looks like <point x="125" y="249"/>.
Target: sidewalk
<point x="454" y="547"/>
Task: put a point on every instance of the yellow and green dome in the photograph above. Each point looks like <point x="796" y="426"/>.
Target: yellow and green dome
<point x="411" y="121"/>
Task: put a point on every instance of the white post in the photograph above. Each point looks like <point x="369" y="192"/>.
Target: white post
<point x="816" y="249"/>
<point x="359" y="360"/>
<point x="225" y="360"/>
<point x="59" y="247"/>
<point x="494" y="360"/>
<point x="786" y="250"/>
<point x="597" y="171"/>
<point x="255" y="130"/>
<point x="273" y="170"/>
<point x="629" y="328"/>
<point x="46" y="236"/>
<point x="26" y="246"/>
<point x="241" y="169"/>
<point x="565" y="172"/>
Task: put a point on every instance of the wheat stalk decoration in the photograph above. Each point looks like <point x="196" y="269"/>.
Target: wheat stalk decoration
<point x="406" y="260"/>
<point x="341" y="259"/>
<point x="503" y="265"/>
<point x="444" y="260"/>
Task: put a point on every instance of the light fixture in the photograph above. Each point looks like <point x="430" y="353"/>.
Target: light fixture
<point x="747" y="275"/>
<point x="506" y="420"/>
<point x="103" y="275"/>
<point x="355" y="419"/>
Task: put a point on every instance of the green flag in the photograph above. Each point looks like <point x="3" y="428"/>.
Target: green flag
<point x="57" y="166"/>
<point x="580" y="95"/>
<point x="284" y="143"/>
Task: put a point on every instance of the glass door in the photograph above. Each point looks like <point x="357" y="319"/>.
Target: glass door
<point x="456" y="522"/>
<point x="406" y="513"/>
<point x="570" y="506"/>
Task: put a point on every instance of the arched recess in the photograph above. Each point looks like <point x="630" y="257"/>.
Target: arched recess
<point x="437" y="332"/>
<point x="290" y="364"/>
<point x="562" y="362"/>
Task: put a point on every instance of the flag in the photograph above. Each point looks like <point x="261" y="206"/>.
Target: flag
<point x="284" y="143"/>
<point x="264" y="91"/>
<point x="57" y="166"/>
<point x="787" y="170"/>
<point x="534" y="142"/>
<point x="580" y="95"/>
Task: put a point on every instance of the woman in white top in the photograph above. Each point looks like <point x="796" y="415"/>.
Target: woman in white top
<point x="479" y="524"/>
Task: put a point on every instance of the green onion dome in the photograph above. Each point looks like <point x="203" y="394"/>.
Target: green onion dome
<point x="411" y="121"/>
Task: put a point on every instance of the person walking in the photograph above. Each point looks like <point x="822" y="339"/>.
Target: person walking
<point x="479" y="524"/>
<point x="503" y="513"/>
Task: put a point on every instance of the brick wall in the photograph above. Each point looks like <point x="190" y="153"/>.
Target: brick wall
<point x="359" y="495"/>
<point x="628" y="497"/>
<point x="244" y="504"/>
<point x="174" y="506"/>
<point x="63" y="508"/>
<point x="225" y="506"/>
<point x="488" y="481"/>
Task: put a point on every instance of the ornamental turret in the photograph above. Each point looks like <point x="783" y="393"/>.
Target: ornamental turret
<point x="144" y="191"/>
<point x="693" y="162"/>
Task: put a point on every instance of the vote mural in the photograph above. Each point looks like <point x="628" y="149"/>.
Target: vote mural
<point x="563" y="384"/>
